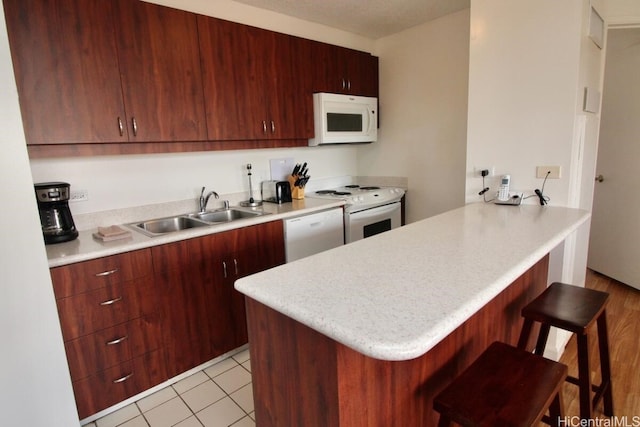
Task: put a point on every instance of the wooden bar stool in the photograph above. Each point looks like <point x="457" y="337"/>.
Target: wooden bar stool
<point x="574" y="309"/>
<point x="505" y="386"/>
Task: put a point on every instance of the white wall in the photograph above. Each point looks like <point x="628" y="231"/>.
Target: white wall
<point x="523" y="72"/>
<point x="115" y="182"/>
<point x="423" y="114"/>
<point x="622" y="12"/>
<point x="35" y="387"/>
<point x="529" y="64"/>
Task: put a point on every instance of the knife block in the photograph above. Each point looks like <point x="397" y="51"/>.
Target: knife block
<point x="296" y="192"/>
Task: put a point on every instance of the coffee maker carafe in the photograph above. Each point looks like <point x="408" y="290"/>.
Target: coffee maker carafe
<point x="55" y="216"/>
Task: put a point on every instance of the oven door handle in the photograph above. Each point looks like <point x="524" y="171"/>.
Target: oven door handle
<point x="379" y="210"/>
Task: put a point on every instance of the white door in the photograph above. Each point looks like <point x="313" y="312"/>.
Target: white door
<point x="614" y="247"/>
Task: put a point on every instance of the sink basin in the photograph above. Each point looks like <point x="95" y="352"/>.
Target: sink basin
<point x="156" y="227"/>
<point x="226" y="215"/>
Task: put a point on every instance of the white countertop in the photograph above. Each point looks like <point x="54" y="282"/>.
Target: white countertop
<point x="394" y="296"/>
<point x="85" y="247"/>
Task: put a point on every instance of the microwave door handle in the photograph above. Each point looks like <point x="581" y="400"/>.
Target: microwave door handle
<point x="370" y="114"/>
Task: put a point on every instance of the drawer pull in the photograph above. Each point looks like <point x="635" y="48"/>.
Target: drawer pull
<point x="123" y="379"/>
<point x="107" y="273"/>
<point x="111" y="301"/>
<point x="117" y="340"/>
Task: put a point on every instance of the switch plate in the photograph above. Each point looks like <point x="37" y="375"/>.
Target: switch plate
<point x="79" y="196"/>
<point x="541" y="172"/>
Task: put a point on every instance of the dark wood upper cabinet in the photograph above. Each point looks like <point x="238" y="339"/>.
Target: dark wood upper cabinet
<point x="94" y="71"/>
<point x="126" y="76"/>
<point x="342" y="70"/>
<point x="250" y="88"/>
<point x="160" y="71"/>
<point x="66" y="66"/>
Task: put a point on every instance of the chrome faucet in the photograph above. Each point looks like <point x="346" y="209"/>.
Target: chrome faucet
<point x="205" y="199"/>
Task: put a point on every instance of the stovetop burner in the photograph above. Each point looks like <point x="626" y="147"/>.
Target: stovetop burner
<point x="342" y="193"/>
<point x="352" y="186"/>
<point x="370" y="188"/>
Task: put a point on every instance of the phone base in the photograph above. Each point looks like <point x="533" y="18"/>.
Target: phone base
<point x="514" y="200"/>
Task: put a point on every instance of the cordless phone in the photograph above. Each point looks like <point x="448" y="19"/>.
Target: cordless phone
<point x="503" y="192"/>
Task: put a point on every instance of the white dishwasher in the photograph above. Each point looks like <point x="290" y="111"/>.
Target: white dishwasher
<point x="309" y="234"/>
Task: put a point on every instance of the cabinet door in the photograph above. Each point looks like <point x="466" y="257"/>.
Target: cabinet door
<point x="160" y="70"/>
<point x="342" y="70"/>
<point x="251" y="91"/>
<point x="187" y="276"/>
<point x="234" y="104"/>
<point x="248" y="251"/>
<point x="284" y="90"/>
<point x="66" y="66"/>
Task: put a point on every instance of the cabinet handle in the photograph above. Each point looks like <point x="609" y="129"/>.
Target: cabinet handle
<point x="348" y="84"/>
<point x="117" y="340"/>
<point x="123" y="379"/>
<point x="344" y="84"/>
<point x="111" y="301"/>
<point x="107" y="273"/>
<point x="224" y="268"/>
<point x="264" y="126"/>
<point x="134" y="124"/>
<point x="273" y="127"/>
<point x="235" y="262"/>
<point x="121" y="126"/>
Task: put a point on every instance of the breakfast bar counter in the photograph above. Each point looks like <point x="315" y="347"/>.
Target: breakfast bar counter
<point x="366" y="334"/>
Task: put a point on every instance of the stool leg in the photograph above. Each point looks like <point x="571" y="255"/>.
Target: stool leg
<point x="584" y="376"/>
<point x="525" y="333"/>
<point x="605" y="365"/>
<point x="556" y="411"/>
<point x="542" y="339"/>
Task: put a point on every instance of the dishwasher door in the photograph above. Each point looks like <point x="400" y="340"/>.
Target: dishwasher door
<point x="309" y="234"/>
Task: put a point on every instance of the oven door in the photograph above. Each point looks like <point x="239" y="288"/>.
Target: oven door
<point x="369" y="222"/>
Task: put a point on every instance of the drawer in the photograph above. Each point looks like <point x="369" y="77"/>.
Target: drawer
<point x="86" y="276"/>
<point x="93" y="311"/>
<point x="112" y="346"/>
<point x="113" y="385"/>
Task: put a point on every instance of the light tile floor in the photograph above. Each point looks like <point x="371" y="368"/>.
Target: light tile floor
<point x="218" y="396"/>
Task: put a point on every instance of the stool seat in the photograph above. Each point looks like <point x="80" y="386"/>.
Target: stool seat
<point x="505" y="386"/>
<point x="567" y="307"/>
<point x="574" y="309"/>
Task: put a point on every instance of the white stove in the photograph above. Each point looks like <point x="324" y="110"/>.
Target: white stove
<point x="369" y="210"/>
<point x="359" y="198"/>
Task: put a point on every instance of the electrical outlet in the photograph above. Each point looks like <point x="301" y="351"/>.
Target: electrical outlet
<point x="554" y="172"/>
<point x="478" y="171"/>
<point x="79" y="196"/>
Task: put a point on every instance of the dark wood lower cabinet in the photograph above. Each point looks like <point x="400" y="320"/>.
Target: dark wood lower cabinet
<point x="135" y="320"/>
<point x="113" y="385"/>
<point x="329" y="384"/>
<point x="203" y="315"/>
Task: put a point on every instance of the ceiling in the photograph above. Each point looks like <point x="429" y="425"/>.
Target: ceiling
<point x="369" y="18"/>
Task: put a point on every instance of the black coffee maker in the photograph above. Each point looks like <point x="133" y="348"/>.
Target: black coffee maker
<point x="55" y="216"/>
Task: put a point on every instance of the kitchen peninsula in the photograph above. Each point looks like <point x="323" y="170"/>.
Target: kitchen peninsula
<point x="368" y="333"/>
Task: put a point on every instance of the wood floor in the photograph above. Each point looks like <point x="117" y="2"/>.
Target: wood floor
<point x="623" y="317"/>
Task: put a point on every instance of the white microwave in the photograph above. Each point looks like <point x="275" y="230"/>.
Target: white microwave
<point x="344" y="119"/>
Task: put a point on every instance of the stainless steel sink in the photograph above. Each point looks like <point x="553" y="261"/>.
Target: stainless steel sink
<point x="226" y="215"/>
<point x="156" y="227"/>
<point x="161" y="226"/>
